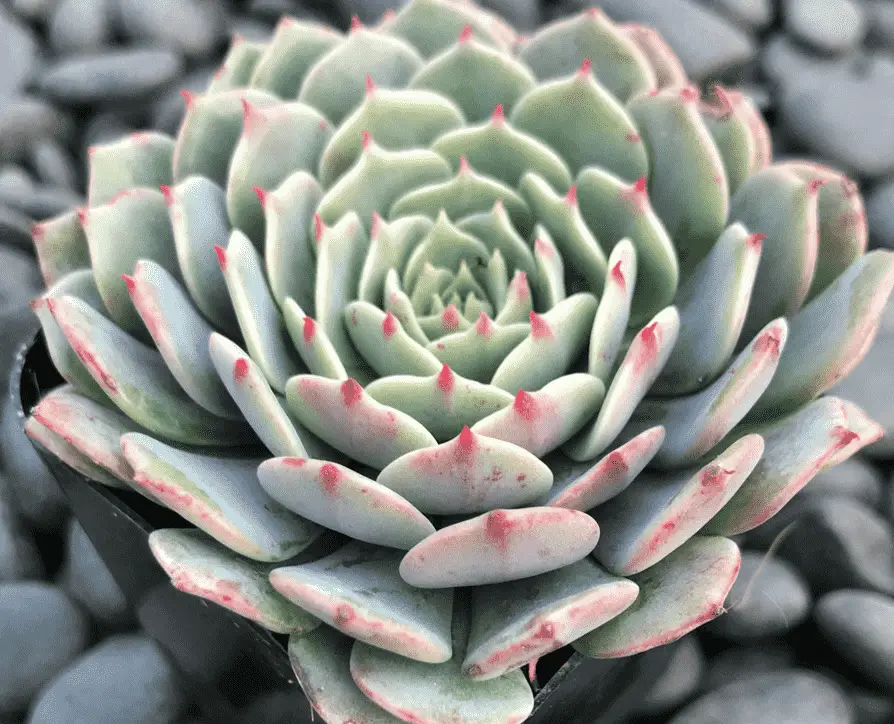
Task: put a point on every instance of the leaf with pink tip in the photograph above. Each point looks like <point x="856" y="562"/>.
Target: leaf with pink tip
<point x="69" y="454"/>
<point x="140" y="159"/>
<point x="499" y="228"/>
<point x="541" y="421"/>
<point x="133" y="226"/>
<point x="561" y="217"/>
<point x="677" y="595"/>
<point x="645" y="358"/>
<point x="358" y="591"/>
<point x="584" y="487"/>
<point x="391" y="243"/>
<point x="444" y="403"/>
<point x="499" y="77"/>
<point x="259" y="317"/>
<point x="660" y="512"/>
<point x="398" y="303"/>
<point x="580" y="118"/>
<point x="181" y="336"/>
<point x="138" y="381"/>
<point x="237" y="67"/>
<point x="198" y="211"/>
<point x="341" y="499"/>
<point x="783" y="206"/>
<point x="210" y="131"/>
<point x="335" y="83"/>
<point x="427" y="694"/>
<point x="313" y="344"/>
<point x="276" y="141"/>
<point x="549" y="275"/>
<point x="696" y="423"/>
<point x="221" y="496"/>
<point x="343" y="415"/>
<point x="502" y="545"/>
<point x="682" y="154"/>
<point x="433" y="25"/>
<point x="713" y="302"/>
<point x="429" y="289"/>
<point x="518" y="304"/>
<point x="295" y="46"/>
<point x="381" y="340"/>
<point x="518" y="622"/>
<point x="444" y="248"/>
<point x="797" y="447"/>
<point x="558" y="49"/>
<point x="90" y="428"/>
<point x="503" y="152"/>
<point x="613" y="312"/>
<point x="831" y="334"/>
<point x="79" y="284"/>
<point x="61" y="246"/>
<point x="468" y="474"/>
<point x="477" y="352"/>
<point x="556" y="341"/>
<point x="424" y="116"/>
<point x="668" y="69"/>
<point x="843" y="230"/>
<point x="198" y="565"/>
<point x="321" y="662"/>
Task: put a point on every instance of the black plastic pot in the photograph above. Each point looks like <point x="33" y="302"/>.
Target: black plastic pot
<point x="229" y="661"/>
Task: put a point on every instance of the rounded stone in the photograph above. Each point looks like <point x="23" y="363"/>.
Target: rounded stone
<point x="18" y="54"/>
<point x="680" y="680"/>
<point x="828" y="26"/>
<point x="872" y="708"/>
<point x="856" y="478"/>
<point x="123" y="680"/>
<point x="19" y="557"/>
<point x="80" y="26"/>
<point x="192" y="27"/>
<point x="880" y="214"/>
<point x="796" y="696"/>
<point x="53" y="165"/>
<point x="740" y="662"/>
<point x="42" y="631"/>
<point x="25" y="120"/>
<point x="860" y="626"/>
<point x="880" y="14"/>
<point x="769" y="598"/>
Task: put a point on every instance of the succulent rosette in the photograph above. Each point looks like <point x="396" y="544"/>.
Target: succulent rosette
<point x="457" y="347"/>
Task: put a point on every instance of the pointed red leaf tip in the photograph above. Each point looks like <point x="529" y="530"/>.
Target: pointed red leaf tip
<point x="188" y="97"/>
<point x="355" y="23"/>
<point x="725" y="100"/>
<point x="36" y="303"/>
<point x="310" y="329"/>
<point x="640" y="185"/>
<point x="330" y="476"/>
<point x="370" y="85"/>
<point x="446" y="379"/>
<point x="251" y="116"/>
<point x="464" y="166"/>
<point x="498" y="116"/>
<point x="131" y="283"/>
<point x="843" y="436"/>
<point x="542" y="248"/>
<point x="532" y="670"/>
<point x="221" y="256"/>
<point x="814" y="184"/>
<point x="37" y="231"/>
<point x="649" y="346"/>
<point x="465" y="35"/>
<point x="525" y="405"/>
<point x="319" y="227"/>
<point x="351" y="392"/>
<point x="240" y="369"/>
<point x="484" y="327"/>
<point x="571" y="196"/>
<point x="755" y="241"/>
<point x="167" y="193"/>
<point x="389" y="325"/>
<point x="466" y="440"/>
<point x="365" y="140"/>
<point x="450" y="318"/>
<point x="261" y="194"/>
<point x="376" y="225"/>
<point x="51" y="305"/>
<point x="690" y="94"/>
<point x="618" y="276"/>
<point x="768" y="343"/>
<point x="497" y="527"/>
<point x="519" y="285"/>
<point x="585" y="68"/>
<point x="633" y="137"/>
<point x="540" y="328"/>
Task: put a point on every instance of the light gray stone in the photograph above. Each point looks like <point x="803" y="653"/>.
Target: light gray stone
<point x="828" y="26"/>
<point x="18" y="54"/>
<point x="856" y="477"/>
<point x="80" y="26"/>
<point x="191" y="27"/>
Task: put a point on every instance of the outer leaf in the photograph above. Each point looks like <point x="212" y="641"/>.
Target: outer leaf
<point x="141" y="159"/>
<point x="61" y="246"/>
<point x="290" y="54"/>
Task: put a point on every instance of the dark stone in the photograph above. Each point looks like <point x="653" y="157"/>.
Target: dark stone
<point x="54" y="165"/>
<point x="24" y="120"/>
<point x="80" y="26"/>
<point x="19" y="557"/>
<point x="737" y="663"/>
<point x="679" y="682"/>
<point x="18" y="54"/>
<point x="15" y="228"/>
<point x="880" y="213"/>
<point x="872" y="708"/>
<point x="169" y="109"/>
<point x="40" y="202"/>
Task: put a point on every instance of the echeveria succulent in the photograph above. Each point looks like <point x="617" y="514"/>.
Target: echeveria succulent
<point x="457" y="347"/>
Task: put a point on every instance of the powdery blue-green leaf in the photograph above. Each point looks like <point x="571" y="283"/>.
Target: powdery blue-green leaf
<point x="477" y="352"/>
<point x="60" y="246"/>
<point x="613" y="311"/>
<point x="313" y="344"/>
<point x="140" y="159"/>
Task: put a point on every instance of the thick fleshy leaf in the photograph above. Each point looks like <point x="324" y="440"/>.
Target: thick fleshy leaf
<point x="830" y="335"/>
<point x="502" y="545"/>
<point x="556" y="340"/>
<point x="713" y="302"/>
<point x="358" y="590"/>
<point x="61" y="246"/>
<point x="498" y="77"/>
<point x="344" y="500"/>
<point x="276" y="141"/>
<point x="259" y="317"/>
<point x="137" y="380"/>
<point x="140" y="159"/>
<point x="549" y="276"/>
<point x="335" y="83"/>
<point x="469" y="474"/>
<point x="477" y="352"/>
<point x="660" y="512"/>
<point x="221" y="496"/>
<point x="682" y="154"/>
<point x="677" y="595"/>
<point x="542" y="421"/>
<point x="559" y="49"/>
<point x="418" y="693"/>
<point x="181" y="335"/>
<point x="94" y="430"/>
<point x="313" y="344"/>
<point x="390" y="243"/>
<point x="501" y="229"/>
<point x="343" y="415"/>
<point x="583" y="489"/>
<point x="237" y="67"/>
<point x="668" y="69"/>
<point x="696" y="423"/>
<point x="645" y="358"/>
<point x="202" y="567"/>
<point x="69" y="454"/>
<point x="613" y="311"/>
<point x="294" y="48"/>
<point x="518" y="622"/>
<point x="433" y="25"/>
<point x="444" y="403"/>
<point x="797" y="447"/>
<point x="321" y="662"/>
<point x="580" y="118"/>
